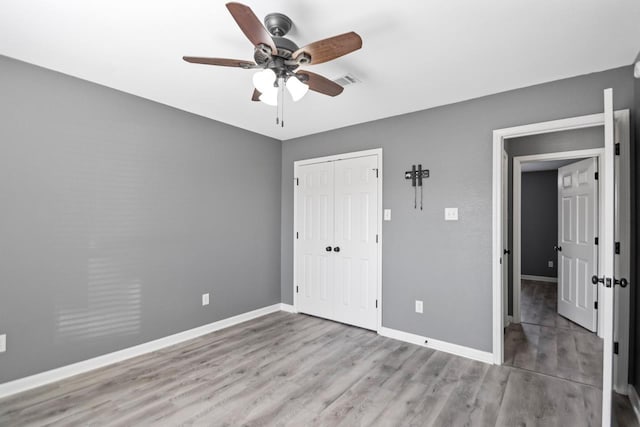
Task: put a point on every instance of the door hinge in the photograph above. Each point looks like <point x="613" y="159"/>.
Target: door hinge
<point x="617" y="148"/>
<point x="616" y="347"/>
<point x="596" y="240"/>
<point x="617" y="248"/>
<point x="376" y="238"/>
<point x="596" y="175"/>
<point x="297" y="290"/>
<point x="376" y="303"/>
<point x="297" y="181"/>
<point x="298" y="236"/>
<point x="595" y="305"/>
<point x="376" y="169"/>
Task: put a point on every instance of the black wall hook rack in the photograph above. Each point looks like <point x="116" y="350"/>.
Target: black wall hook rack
<point x="416" y="175"/>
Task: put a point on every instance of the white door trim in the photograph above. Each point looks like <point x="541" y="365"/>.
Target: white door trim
<point x="517" y="213"/>
<point x="356" y="154"/>
<point x="499" y="136"/>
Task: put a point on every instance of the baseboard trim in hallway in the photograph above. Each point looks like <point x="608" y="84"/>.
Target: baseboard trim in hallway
<point x="43" y="378"/>
<point x="539" y="278"/>
<point x="635" y="401"/>
<point x="458" y="350"/>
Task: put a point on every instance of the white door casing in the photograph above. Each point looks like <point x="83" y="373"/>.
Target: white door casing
<point x="506" y="258"/>
<point x="577" y="250"/>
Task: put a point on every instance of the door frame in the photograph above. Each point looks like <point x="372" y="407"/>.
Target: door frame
<point x="498" y="174"/>
<point x="517" y="216"/>
<point x="352" y="155"/>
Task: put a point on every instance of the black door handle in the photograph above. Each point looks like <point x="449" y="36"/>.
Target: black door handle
<point x="336" y="249"/>
<point x="595" y="279"/>
<point x="622" y="282"/>
<point x="557" y="248"/>
<point x="328" y="249"/>
<point x="507" y="251"/>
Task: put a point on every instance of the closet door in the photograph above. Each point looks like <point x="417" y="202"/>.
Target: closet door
<point x="315" y="221"/>
<point x="355" y="248"/>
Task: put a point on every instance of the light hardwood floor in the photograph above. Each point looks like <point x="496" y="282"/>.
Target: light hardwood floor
<point x="292" y="369"/>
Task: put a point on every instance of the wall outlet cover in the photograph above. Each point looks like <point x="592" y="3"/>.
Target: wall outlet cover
<point x="451" y="214"/>
<point x="387" y="214"/>
<point x="3" y="343"/>
<point x="205" y="299"/>
<point x="550" y="264"/>
<point x="419" y="306"/>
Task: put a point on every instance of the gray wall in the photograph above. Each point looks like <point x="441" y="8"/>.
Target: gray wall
<point x="579" y="139"/>
<point x="445" y="264"/>
<point x="539" y="222"/>
<point x="117" y="214"/>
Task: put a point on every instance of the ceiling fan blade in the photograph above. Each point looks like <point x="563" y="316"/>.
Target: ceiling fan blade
<point x="320" y="84"/>
<point x="251" y="26"/>
<point x="331" y="48"/>
<point x="225" y="62"/>
<point x="256" y="95"/>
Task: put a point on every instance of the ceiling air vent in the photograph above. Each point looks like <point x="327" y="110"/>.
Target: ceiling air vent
<point x="347" y="79"/>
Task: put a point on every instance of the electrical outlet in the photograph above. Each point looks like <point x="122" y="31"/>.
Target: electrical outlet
<point x="550" y="264"/>
<point x="418" y="306"/>
<point x="205" y="299"/>
<point x="3" y="343"/>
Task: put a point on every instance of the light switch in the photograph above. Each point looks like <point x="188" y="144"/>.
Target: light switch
<point x="550" y="264"/>
<point x="3" y="343"/>
<point x="451" y="214"/>
<point x="418" y="306"/>
<point x="205" y="299"/>
<point x="387" y="214"/>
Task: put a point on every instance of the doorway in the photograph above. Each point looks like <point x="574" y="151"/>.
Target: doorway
<point x="613" y="265"/>
<point x="337" y="238"/>
<point x="555" y="254"/>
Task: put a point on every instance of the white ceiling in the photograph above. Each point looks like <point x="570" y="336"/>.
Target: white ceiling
<point x="415" y="55"/>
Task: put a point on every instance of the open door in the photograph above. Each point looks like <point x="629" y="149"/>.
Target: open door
<point x="606" y="281"/>
<point x="576" y="248"/>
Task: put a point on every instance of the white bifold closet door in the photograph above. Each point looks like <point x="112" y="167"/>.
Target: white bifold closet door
<point x="336" y="251"/>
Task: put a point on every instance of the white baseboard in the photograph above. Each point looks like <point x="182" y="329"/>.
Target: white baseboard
<point x="635" y="401"/>
<point x="539" y="278"/>
<point x="458" y="350"/>
<point x="287" y="307"/>
<point x="37" y="380"/>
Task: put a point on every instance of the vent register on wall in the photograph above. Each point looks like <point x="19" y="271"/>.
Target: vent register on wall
<point x="337" y="240"/>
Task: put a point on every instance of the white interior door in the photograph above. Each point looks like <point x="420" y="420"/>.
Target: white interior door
<point x="336" y="252"/>
<point x="315" y="211"/>
<point x="607" y="237"/>
<point x="355" y="247"/>
<point x="577" y="250"/>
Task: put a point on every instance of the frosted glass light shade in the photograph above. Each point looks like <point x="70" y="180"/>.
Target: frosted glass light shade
<point x="270" y="97"/>
<point x="263" y="80"/>
<point x="296" y="88"/>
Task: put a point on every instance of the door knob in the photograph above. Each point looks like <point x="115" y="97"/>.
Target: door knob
<point x="328" y="249"/>
<point x="336" y="249"/>
<point x="622" y="282"/>
<point x="595" y="279"/>
<point x="557" y="248"/>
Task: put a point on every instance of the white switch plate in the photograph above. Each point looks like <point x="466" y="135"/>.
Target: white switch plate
<point x="205" y="299"/>
<point x="451" y="214"/>
<point x="387" y="214"/>
<point x="550" y="264"/>
<point x="3" y="343"/>
<point x="418" y="306"/>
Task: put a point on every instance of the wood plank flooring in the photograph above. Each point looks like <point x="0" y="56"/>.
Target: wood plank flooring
<point x="291" y="369"/>
<point x="548" y="343"/>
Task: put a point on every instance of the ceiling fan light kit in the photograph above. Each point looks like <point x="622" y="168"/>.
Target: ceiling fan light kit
<point x="279" y="58"/>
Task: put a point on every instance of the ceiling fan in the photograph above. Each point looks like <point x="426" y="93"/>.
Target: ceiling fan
<point x="279" y="57"/>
